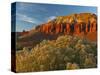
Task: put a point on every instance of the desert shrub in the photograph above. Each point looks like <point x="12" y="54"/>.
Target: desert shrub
<point x="71" y="66"/>
<point x="90" y="61"/>
<point x="18" y="47"/>
<point x="66" y="52"/>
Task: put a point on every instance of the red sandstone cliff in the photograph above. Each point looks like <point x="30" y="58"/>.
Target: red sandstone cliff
<point x="83" y="25"/>
<point x="71" y="24"/>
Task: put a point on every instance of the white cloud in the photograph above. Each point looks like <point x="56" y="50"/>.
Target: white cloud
<point x="51" y="18"/>
<point x="25" y="18"/>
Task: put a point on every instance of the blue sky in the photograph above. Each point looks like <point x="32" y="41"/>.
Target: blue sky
<point x="28" y="15"/>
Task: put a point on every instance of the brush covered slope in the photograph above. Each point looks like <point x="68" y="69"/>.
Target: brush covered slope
<point x="64" y="53"/>
<point x="66" y="42"/>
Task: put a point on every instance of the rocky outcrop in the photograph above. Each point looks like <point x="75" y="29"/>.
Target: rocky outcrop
<point x="84" y="25"/>
<point x="72" y="24"/>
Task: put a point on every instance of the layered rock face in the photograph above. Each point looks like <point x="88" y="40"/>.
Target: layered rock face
<point x="84" y="25"/>
<point x="72" y="24"/>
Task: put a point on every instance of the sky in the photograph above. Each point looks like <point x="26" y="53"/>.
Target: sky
<point x="29" y="15"/>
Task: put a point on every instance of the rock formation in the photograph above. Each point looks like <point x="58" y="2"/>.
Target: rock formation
<point x="72" y="24"/>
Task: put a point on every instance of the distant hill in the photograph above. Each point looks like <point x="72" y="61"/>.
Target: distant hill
<point x="82" y="25"/>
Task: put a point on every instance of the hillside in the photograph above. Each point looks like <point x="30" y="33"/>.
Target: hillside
<point x="82" y="25"/>
<point x="64" y="53"/>
<point x="64" y="43"/>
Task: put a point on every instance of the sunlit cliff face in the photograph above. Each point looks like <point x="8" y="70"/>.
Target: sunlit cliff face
<point x="72" y="24"/>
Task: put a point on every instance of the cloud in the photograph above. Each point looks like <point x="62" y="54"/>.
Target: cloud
<point x="51" y="18"/>
<point x="26" y="18"/>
